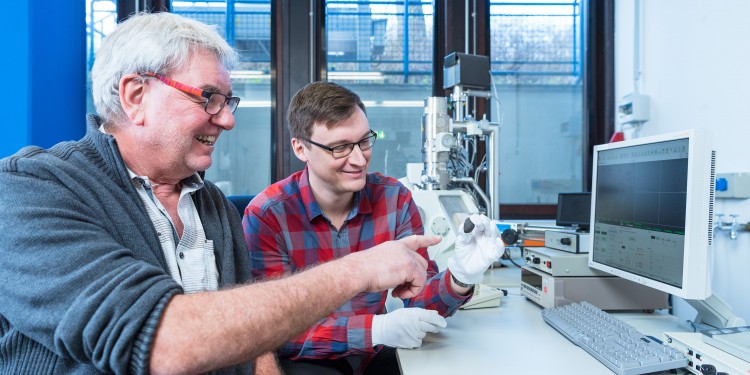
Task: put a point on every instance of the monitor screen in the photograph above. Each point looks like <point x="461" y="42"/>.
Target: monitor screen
<point x="652" y="210"/>
<point x="574" y="210"/>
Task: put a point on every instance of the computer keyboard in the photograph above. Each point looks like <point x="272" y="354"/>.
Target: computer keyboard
<point x="613" y="342"/>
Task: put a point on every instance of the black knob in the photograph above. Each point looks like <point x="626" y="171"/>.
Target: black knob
<point x="509" y="236"/>
<point x="708" y="369"/>
<point x="566" y="241"/>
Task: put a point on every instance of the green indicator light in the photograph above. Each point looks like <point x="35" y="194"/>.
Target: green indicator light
<point x="381" y="134"/>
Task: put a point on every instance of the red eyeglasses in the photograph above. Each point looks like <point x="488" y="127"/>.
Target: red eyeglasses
<point x="214" y="100"/>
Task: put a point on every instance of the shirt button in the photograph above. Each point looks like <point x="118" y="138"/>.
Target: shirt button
<point x="182" y="255"/>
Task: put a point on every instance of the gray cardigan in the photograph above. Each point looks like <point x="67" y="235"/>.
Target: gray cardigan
<point x="83" y="281"/>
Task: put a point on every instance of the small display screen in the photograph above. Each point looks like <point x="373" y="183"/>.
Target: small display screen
<point x="574" y="210"/>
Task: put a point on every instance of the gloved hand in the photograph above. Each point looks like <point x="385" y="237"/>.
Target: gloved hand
<point x="475" y="251"/>
<point x="405" y="328"/>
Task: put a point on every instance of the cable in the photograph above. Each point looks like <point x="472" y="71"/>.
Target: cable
<point x="495" y="96"/>
<point x="479" y="168"/>
<point x="506" y="251"/>
<point x="474" y="149"/>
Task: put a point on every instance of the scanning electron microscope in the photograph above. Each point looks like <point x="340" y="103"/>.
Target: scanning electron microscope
<point x="445" y="185"/>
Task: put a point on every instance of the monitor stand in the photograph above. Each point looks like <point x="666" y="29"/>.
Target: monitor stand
<point x="713" y="311"/>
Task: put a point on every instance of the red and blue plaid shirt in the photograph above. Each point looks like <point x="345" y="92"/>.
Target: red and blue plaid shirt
<point x="286" y="231"/>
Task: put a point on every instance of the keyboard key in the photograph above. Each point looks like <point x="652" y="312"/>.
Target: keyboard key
<point x="649" y="360"/>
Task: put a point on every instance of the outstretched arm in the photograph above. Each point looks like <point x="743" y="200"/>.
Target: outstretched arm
<point x="239" y="324"/>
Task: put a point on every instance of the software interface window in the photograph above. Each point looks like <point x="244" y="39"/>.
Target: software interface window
<point x="641" y="199"/>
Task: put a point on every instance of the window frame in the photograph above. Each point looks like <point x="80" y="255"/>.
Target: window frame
<point x="298" y="39"/>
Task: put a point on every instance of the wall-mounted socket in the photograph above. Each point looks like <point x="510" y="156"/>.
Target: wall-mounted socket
<point x="733" y="185"/>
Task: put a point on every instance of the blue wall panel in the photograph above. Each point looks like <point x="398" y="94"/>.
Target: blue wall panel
<point x="44" y="69"/>
<point x="58" y="71"/>
<point x="14" y="37"/>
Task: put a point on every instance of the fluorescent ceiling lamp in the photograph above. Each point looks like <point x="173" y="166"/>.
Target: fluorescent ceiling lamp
<point x="255" y="104"/>
<point x="356" y="76"/>
<point x="249" y="74"/>
<point x="393" y="103"/>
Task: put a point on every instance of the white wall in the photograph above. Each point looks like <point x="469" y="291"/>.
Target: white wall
<point x="695" y="66"/>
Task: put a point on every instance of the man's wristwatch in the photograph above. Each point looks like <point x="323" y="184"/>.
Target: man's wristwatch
<point x="463" y="285"/>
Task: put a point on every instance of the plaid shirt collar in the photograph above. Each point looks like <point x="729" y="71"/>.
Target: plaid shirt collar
<point x="361" y="199"/>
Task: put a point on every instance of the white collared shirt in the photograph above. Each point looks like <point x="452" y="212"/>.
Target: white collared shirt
<point x="191" y="258"/>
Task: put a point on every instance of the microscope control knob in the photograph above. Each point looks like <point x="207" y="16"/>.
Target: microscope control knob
<point x="509" y="236"/>
<point x="440" y="226"/>
<point x="447" y="140"/>
<point x="566" y="241"/>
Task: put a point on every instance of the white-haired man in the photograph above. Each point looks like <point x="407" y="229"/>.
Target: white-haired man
<point x="117" y="257"/>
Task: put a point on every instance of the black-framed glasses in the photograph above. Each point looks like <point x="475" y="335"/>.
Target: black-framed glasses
<point x="342" y="151"/>
<point x="214" y="101"/>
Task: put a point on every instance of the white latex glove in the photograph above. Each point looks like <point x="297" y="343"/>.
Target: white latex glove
<point x="405" y="328"/>
<point x="475" y="251"/>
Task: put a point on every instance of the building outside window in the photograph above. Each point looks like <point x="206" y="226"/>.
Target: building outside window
<point x="382" y="50"/>
<point x="536" y="62"/>
<point x="101" y="19"/>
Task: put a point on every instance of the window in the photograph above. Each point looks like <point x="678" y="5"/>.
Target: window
<point x="382" y="50"/>
<point x="536" y="61"/>
<point x="101" y="19"/>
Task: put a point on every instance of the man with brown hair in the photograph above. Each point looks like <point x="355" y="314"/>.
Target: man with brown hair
<point x="334" y="208"/>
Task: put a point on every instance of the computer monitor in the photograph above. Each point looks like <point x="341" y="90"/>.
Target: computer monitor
<point x="652" y="212"/>
<point x="574" y="210"/>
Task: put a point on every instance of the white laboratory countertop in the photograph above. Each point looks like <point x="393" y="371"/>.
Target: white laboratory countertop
<point x="513" y="339"/>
